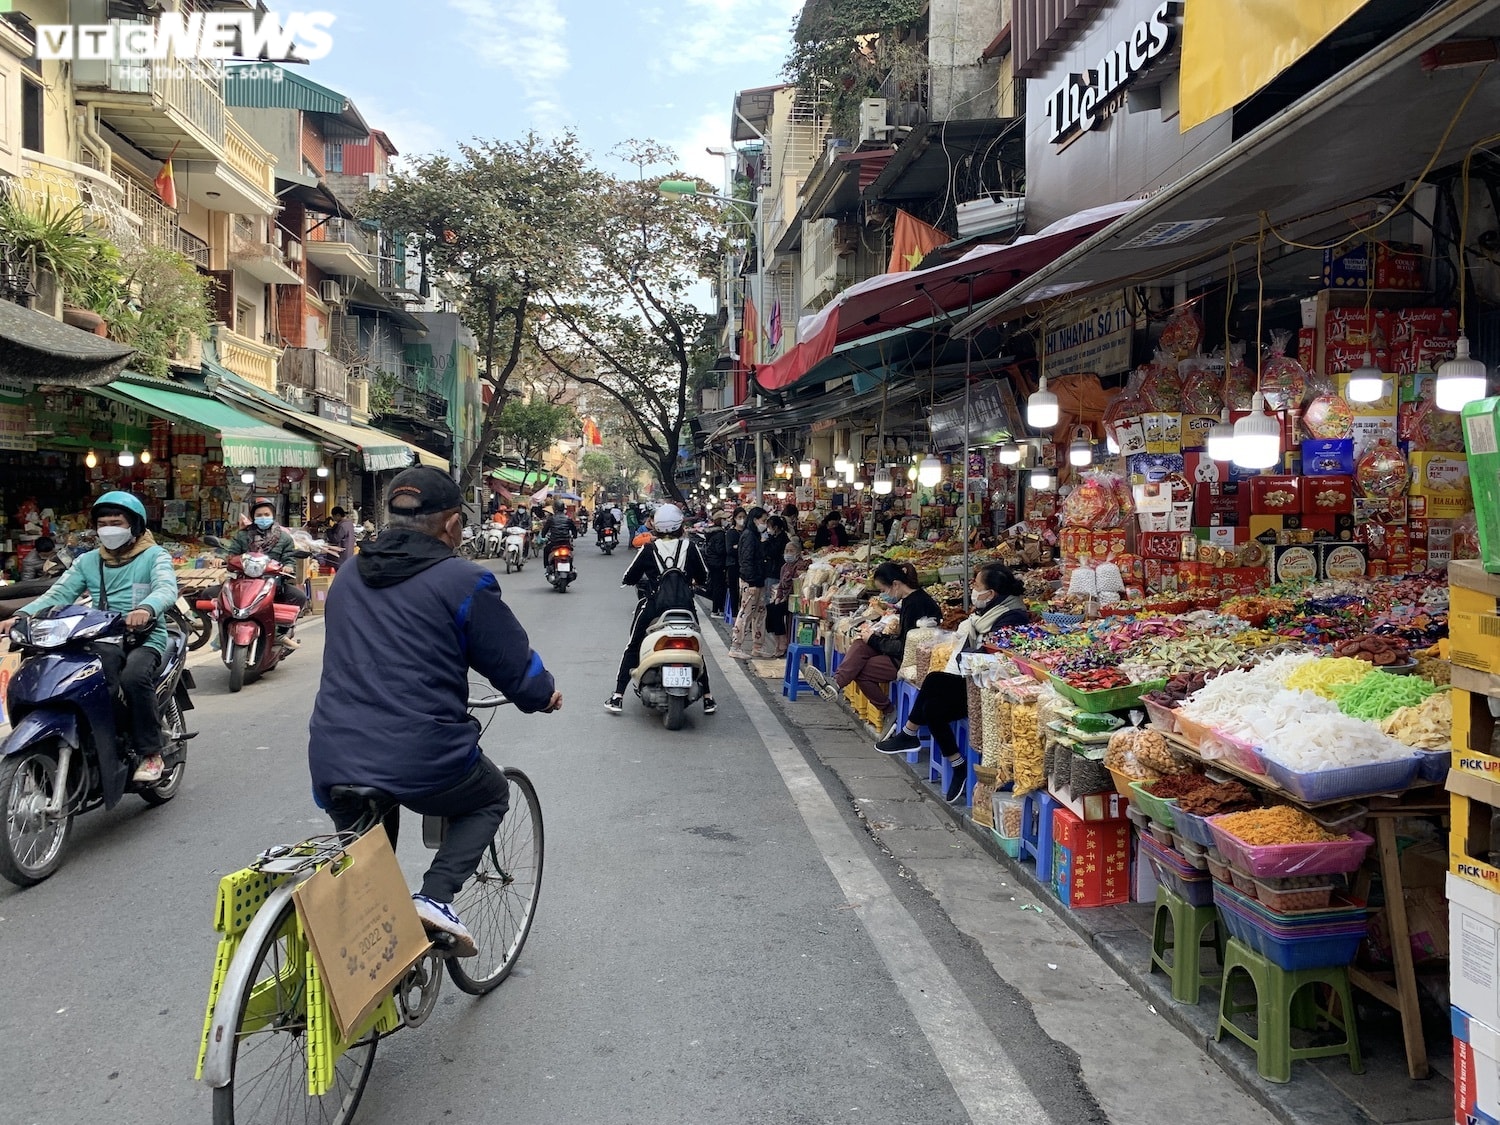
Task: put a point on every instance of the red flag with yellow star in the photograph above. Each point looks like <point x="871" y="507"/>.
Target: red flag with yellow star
<point x="750" y="337"/>
<point x="912" y="241"/>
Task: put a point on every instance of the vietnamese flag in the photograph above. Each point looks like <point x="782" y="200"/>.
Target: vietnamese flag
<point x="166" y="185"/>
<point x="912" y="241"/>
<point x="591" y="433"/>
<point x="750" y="337"/>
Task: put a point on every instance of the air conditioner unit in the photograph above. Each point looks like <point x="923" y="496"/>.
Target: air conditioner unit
<point x="872" y="120"/>
<point x="820" y="261"/>
<point x="330" y="292"/>
<point x="989" y="215"/>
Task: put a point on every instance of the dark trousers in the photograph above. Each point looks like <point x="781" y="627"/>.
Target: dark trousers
<point x="133" y="674"/>
<point x="732" y="589"/>
<point x="871" y="670"/>
<point x="473" y="808"/>
<point x="943" y="700"/>
<point x="718" y="590"/>
<point x="645" y="613"/>
<point x="289" y="592"/>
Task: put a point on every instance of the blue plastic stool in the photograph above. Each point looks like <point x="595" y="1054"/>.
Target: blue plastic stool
<point x="792" y="681"/>
<point x="1036" y="831"/>
<point x="904" y="696"/>
<point x="940" y="770"/>
<point x="728" y="615"/>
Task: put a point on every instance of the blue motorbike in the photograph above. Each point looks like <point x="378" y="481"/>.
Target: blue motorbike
<point x="64" y="755"/>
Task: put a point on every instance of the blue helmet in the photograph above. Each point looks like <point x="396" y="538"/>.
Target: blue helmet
<point x="120" y="504"/>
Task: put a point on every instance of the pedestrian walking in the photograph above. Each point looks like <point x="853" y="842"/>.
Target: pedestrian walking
<point x="750" y="626"/>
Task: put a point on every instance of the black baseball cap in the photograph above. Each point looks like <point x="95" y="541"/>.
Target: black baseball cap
<point x="432" y="489"/>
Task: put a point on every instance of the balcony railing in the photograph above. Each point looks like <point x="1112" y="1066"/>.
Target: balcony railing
<point x="359" y="395"/>
<point x="248" y="158"/>
<point x="159" y="224"/>
<point x="252" y="361"/>
<point x="346" y="231"/>
<point x="314" y="371"/>
<point x="195" y="93"/>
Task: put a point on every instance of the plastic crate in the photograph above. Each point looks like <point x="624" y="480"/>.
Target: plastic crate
<point x="1159" y="809"/>
<point x="1433" y="765"/>
<point x="1315" y="949"/>
<point x="1178" y="876"/>
<point x="1349" y="781"/>
<point x="1193" y="827"/>
<point x="1011" y="847"/>
<point x="1336" y="858"/>
<point x="1216" y="746"/>
<point x="1340" y="911"/>
<point x="1162" y="718"/>
<point x="1112" y="699"/>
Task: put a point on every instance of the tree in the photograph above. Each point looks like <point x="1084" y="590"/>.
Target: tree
<point x="499" y="228"/>
<point x="598" y="469"/>
<point x="533" y="427"/>
<point x="629" y="327"/>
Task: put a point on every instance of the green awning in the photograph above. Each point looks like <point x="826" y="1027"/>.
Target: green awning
<point x="247" y="442"/>
<point x="534" y="479"/>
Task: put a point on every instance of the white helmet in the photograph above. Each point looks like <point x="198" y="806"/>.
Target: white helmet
<point x="668" y="518"/>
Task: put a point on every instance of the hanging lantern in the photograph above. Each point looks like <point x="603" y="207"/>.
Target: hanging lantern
<point x="883" y="484"/>
<point x="1041" y="408"/>
<point x="1257" y="437"/>
<point x="930" y="471"/>
<point x="1366" y="382"/>
<point x="1220" y="443"/>
<point x="1460" y="380"/>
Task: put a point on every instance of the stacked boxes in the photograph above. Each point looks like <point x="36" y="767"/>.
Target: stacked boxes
<point x="1090" y="860"/>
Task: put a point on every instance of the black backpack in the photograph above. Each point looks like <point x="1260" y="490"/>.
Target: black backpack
<point x="673" y="590"/>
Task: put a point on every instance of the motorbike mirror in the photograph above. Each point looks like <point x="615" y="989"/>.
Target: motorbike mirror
<point x="213" y="541"/>
<point x="302" y="554"/>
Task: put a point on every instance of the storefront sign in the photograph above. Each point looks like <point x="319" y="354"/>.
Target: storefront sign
<point x="992" y="417"/>
<point x="334" y="411"/>
<point x="16" y="426"/>
<point x="1084" y="101"/>
<point x="1094" y="341"/>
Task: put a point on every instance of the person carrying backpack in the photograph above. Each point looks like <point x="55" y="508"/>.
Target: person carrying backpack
<point x="665" y="574"/>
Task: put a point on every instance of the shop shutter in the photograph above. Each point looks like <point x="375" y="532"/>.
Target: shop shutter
<point x="222" y="294"/>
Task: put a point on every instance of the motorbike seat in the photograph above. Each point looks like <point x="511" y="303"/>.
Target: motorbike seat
<point x="674" y="617"/>
<point x="175" y="643"/>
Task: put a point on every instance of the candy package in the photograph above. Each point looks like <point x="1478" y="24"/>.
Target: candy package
<point x="1382" y="473"/>
<point x="1240" y="379"/>
<point x="1182" y="335"/>
<point x="1283" y="380"/>
<point x="1202" y="383"/>
<point x="1161" y="383"/>
<point x="1329" y="416"/>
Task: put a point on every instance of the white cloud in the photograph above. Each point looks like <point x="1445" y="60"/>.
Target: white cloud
<point x="712" y="33"/>
<point x="527" y="39"/>
<point x="710" y="130"/>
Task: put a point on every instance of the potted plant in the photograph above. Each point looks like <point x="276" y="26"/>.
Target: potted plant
<point x="54" y="241"/>
<point x="165" y="304"/>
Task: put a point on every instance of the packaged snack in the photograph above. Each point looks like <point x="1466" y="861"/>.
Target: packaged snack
<point x="1382" y="472"/>
<point x="1328" y="416"/>
<point x="1283" y="380"/>
<point x="1182" y="335"/>
<point x="1161" y="384"/>
<point x="1240" y="379"/>
<point x="1202" y="383"/>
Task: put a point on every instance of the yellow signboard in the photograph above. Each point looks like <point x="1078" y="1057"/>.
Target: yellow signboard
<point x="1219" y="67"/>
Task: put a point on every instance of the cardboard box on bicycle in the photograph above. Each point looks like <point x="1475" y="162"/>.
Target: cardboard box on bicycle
<point x="362" y="927"/>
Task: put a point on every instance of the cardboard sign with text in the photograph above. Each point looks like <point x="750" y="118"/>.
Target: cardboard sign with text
<point x="362" y="927"/>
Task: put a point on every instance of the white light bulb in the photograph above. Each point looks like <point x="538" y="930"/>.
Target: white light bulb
<point x="1460" y="380"/>
<point x="92" y="460"/>
<point x="1257" y="437"/>
<point x="859" y="486"/>
<point x="1041" y="479"/>
<point x="841" y="464"/>
<point x="830" y="482"/>
<point x="1220" y="444"/>
<point x="1366" y="382"/>
<point x="317" y="497"/>
<point x="930" y="471"/>
<point x="247" y="477"/>
<point x="883" y="484"/>
<point x="1080" y="453"/>
<point x="145" y="457"/>
<point x="127" y="458"/>
<point x="1041" y="408"/>
<point x="911" y="473"/>
<point x="1010" y="454"/>
<point x="322" y="470"/>
<point x="805" y="469"/>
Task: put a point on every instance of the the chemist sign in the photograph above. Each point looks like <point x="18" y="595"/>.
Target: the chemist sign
<point x="1093" y="340"/>
<point x="1085" y="100"/>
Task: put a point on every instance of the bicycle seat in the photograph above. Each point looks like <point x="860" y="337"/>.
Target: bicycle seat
<point x="377" y="800"/>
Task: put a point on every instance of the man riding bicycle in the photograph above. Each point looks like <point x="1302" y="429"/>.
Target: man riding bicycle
<point x="404" y="626"/>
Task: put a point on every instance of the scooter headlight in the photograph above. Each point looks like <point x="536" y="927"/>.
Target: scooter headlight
<point x="51" y="634"/>
<point x="254" y="566"/>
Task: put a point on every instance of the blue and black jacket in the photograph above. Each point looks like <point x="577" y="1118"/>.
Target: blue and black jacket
<point x="404" y="626"/>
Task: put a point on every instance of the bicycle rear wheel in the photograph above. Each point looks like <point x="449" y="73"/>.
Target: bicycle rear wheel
<point x="499" y="903"/>
<point x="269" y="1083"/>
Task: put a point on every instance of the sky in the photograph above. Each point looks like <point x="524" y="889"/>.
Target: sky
<point x="445" y="71"/>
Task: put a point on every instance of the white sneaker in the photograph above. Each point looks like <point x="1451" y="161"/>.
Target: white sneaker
<point x="150" y="769"/>
<point x="440" y="916"/>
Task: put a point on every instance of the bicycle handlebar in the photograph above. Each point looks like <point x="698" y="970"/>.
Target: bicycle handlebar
<point x="487" y="701"/>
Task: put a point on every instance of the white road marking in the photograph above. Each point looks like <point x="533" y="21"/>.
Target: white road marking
<point x="983" y="1076"/>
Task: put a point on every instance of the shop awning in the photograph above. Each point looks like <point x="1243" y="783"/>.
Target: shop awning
<point x="1313" y="170"/>
<point x="36" y="348"/>
<point x="247" y="441"/>
<point x="901" y="300"/>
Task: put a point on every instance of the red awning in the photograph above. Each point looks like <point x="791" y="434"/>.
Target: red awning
<point x="896" y="300"/>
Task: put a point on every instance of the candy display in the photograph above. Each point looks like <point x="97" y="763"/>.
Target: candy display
<point x="1278" y="825"/>
<point x="1380" y="694"/>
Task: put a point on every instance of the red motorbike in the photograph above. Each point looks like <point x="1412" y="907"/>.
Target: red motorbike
<point x="253" y="627"/>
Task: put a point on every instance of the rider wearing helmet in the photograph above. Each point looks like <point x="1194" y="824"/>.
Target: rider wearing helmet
<point x="669" y="550"/>
<point x="128" y="573"/>
<point x="263" y="537"/>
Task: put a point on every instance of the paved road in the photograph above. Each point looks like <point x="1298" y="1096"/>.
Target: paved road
<point x="718" y="938"/>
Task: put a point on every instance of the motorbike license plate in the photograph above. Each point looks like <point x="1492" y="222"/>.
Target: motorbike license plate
<point x="676" y="675"/>
<point x="563" y="567"/>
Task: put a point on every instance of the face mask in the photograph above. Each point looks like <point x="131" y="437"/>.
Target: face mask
<point x="790" y="556"/>
<point x="264" y="522"/>
<point x="983" y="598"/>
<point x="115" y="537"/>
<point x="889" y="599"/>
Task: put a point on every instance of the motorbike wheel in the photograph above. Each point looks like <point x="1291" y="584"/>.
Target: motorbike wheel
<point x="507" y="564"/>
<point x="609" y="550"/>
<point x="171" y="781"/>
<point x="237" y="669"/>
<point x="31" y="847"/>
<point x="200" y="629"/>
<point x="676" y="709"/>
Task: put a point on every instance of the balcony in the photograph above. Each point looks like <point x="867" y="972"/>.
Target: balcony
<point x="158" y="105"/>
<point x="252" y="361"/>
<point x="343" y="248"/>
<point x="67" y="185"/>
<point x="316" y="373"/>
<point x="250" y="253"/>
<point x="158" y="223"/>
<point x="245" y="155"/>
<point x="359" y="396"/>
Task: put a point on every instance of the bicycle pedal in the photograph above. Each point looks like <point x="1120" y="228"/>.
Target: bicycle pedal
<point x="444" y="944"/>
<point x="188" y="736"/>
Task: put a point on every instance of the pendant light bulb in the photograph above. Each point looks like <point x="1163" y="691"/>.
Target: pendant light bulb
<point x="323" y="471"/>
<point x="1257" y="437"/>
<point x="1010" y="454"/>
<point x="318" y="496"/>
<point x="1041" y="479"/>
<point x="1081" y="452"/>
<point x="1041" y="408"/>
<point x="930" y="471"/>
<point x="1460" y="380"/>
<point x="859" y="486"/>
<point x="1220" y="442"/>
<point x="127" y="458"/>
<point x="247" y="477"/>
<point x="145" y="457"/>
<point x="806" y="469"/>
<point x="841" y="464"/>
<point x="1366" y="382"/>
<point x="92" y="460"/>
<point x="830" y="483"/>
<point x="911" y="474"/>
<point x="883" y="483"/>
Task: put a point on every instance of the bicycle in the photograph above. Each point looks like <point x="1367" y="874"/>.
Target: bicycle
<point x="266" y="1006"/>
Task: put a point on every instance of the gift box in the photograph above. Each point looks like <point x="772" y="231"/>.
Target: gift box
<point x="1328" y="496"/>
<point x="1440" y="486"/>
<point x="1328" y="457"/>
<point x="1275" y="496"/>
<point x="1396" y="265"/>
<point x="1090" y="860"/>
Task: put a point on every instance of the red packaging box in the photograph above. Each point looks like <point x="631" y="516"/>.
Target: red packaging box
<point x="1406" y="324"/>
<point x="1340" y="359"/>
<point x="1090" y="860"/>
<point x="1275" y="496"/>
<point x="1163" y="546"/>
<point x="1352" y="327"/>
<point x="1307" y="347"/>
<point x="1427" y="351"/>
<point x="1222" y="501"/>
<point x="1320" y="526"/>
<point x="1327" y="496"/>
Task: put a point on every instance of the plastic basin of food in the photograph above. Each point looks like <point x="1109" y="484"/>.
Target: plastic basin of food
<point x="1192" y="827"/>
<point x="1217" y="746"/>
<point x="1347" y="781"/>
<point x="1161" y="835"/>
<point x="1290" y="899"/>
<point x="1159" y="809"/>
<point x="1195" y="854"/>
<point x="1433" y="765"/>
<point x="1177" y="876"/>
<point x="1110" y="699"/>
<point x="1163" y="718"/>
<point x="1313" y="948"/>
<point x="1190" y="732"/>
<point x="1335" y="858"/>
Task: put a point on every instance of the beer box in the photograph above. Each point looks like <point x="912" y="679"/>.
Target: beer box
<point x="1328" y="457"/>
<point x="1474" y="615"/>
<point x="1275" y="496"/>
<point x="1339" y="561"/>
<point x="1441" y="481"/>
<point x="1396" y="265"/>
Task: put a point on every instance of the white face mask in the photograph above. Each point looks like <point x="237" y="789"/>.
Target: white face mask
<point x="114" y="537"/>
<point x="983" y="599"/>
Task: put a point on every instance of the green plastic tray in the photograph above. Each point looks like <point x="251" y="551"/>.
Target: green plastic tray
<point x="1112" y="699"/>
<point x="1158" y="809"/>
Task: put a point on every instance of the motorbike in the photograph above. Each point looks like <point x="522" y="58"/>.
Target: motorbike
<point x="669" y="677"/>
<point x="469" y="545"/>
<point x="491" y="540"/>
<point x="560" y="571"/>
<point x="609" y="539"/>
<point x="66" y="754"/>
<point x="253" y="626"/>
<point x="514" y="550"/>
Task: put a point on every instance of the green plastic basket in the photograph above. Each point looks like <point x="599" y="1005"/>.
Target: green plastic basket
<point x="1111" y="699"/>
<point x="1158" y="809"/>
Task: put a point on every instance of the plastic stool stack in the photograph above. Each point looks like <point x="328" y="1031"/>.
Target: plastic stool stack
<point x="1036" y="831"/>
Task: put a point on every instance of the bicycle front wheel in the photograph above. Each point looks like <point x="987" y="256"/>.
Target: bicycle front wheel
<point x="499" y="903"/>
<point x="269" y="1076"/>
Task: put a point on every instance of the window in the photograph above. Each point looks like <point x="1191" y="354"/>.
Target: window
<point x="244" y="318"/>
<point x="333" y="156"/>
<point x="31" y="115"/>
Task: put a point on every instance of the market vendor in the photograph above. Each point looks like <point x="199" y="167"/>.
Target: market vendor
<point x="944" y="698"/>
<point x="46" y="561"/>
<point x="874" y="659"/>
<point x="832" y="532"/>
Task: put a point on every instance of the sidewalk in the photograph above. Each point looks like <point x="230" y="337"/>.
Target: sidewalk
<point x="983" y="891"/>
